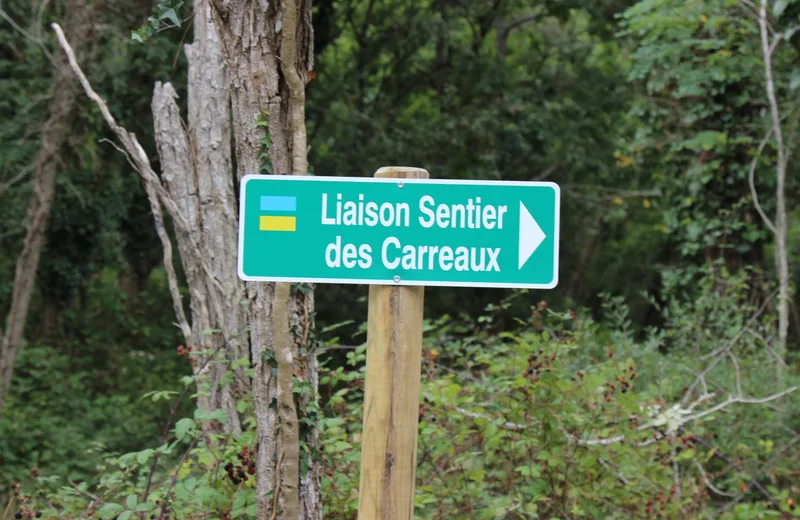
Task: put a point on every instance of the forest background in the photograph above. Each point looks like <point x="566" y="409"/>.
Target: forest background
<point x="656" y="380"/>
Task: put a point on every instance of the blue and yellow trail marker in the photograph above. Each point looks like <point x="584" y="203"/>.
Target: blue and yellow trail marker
<point x="278" y="204"/>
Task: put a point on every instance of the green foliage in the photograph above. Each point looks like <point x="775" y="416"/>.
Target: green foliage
<point x="561" y="417"/>
<point x="702" y="116"/>
<point x="76" y="399"/>
<point x="647" y="113"/>
<point x="165" y="16"/>
<point x="568" y="418"/>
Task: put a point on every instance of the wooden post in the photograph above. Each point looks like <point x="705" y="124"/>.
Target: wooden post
<point x="391" y="399"/>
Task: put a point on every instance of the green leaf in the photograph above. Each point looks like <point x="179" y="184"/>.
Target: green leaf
<point x="216" y="415"/>
<point x="172" y="16"/>
<point x="451" y="391"/>
<point x="145" y="506"/>
<point x="251" y="510"/>
<point x="779" y="7"/>
<point x="131" y="501"/>
<point x="477" y="475"/>
<point x="144" y="455"/>
<point x="686" y="455"/>
<point x="239" y="501"/>
<point x="183" y="427"/>
<point x="110" y="509"/>
<point x="190" y="483"/>
<point x="125" y="515"/>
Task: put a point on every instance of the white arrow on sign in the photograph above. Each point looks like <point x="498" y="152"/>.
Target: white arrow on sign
<point x="531" y="235"/>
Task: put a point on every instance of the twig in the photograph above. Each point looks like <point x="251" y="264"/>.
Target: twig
<point x="737" y="400"/>
<point x="151" y="182"/>
<point x="29" y="36"/>
<point x="737" y="373"/>
<point x="277" y="488"/>
<point x="460" y="373"/>
<point x="175" y="476"/>
<point x="164" y="435"/>
<point x="173" y="409"/>
<point x="751" y="181"/>
<point x="676" y="476"/>
<point x="141" y="161"/>
<point x="21" y="175"/>
<point x="619" y="475"/>
<point x="708" y="483"/>
<point x="510" y="510"/>
<point x="705" y="397"/>
<point x="754" y="13"/>
<point x="724" y="349"/>
<point x="779" y="454"/>
<point x="477" y="415"/>
<point x="756" y="483"/>
<point x="688" y="419"/>
<point x="8" y="507"/>
<point x="768" y="347"/>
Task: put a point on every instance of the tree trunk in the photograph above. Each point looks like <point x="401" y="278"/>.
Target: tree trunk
<point x="54" y="134"/>
<point x="781" y="225"/>
<point x="269" y="49"/>
<point x="197" y="172"/>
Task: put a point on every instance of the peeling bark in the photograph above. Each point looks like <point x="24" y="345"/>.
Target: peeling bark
<point x="54" y="133"/>
<point x="269" y="49"/>
<point x="198" y="175"/>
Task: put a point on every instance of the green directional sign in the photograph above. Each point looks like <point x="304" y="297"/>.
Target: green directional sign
<point x="399" y="231"/>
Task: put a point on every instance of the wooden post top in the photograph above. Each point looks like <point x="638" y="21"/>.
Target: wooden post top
<point x="402" y="172"/>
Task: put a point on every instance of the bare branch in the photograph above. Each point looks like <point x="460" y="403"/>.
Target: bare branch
<point x="751" y="181"/>
<point x="151" y="183"/>
<point x="737" y="373"/>
<point x="708" y="483"/>
<point x="5" y="16"/>
<point x="676" y="476"/>
<point x="619" y="475"/>
<point x="702" y="398"/>
<point x="18" y="177"/>
<point x="781" y="217"/>
<point x="719" y="353"/>
<point x="768" y="347"/>
<point x="477" y="415"/>
<point x="752" y="9"/>
<point x="681" y="421"/>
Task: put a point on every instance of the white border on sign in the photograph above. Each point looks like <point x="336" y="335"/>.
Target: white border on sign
<point x="390" y="281"/>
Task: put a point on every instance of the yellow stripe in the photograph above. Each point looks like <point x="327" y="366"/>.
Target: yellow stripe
<point x="277" y="224"/>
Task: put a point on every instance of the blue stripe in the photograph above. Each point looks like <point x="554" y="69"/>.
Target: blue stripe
<point x="274" y="203"/>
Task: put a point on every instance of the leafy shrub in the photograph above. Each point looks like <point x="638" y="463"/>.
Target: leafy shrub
<point x="564" y="417"/>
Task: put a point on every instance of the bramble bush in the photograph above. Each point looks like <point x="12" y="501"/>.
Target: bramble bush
<point x="567" y="418"/>
<point x="564" y="417"/>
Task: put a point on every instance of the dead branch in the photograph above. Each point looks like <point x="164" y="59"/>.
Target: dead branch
<point x="781" y="217"/>
<point x="751" y="181"/>
<point x="151" y="182"/>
